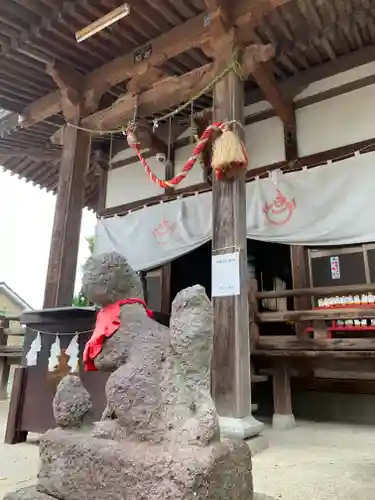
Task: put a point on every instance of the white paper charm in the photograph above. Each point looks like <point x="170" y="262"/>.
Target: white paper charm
<point x="54" y="357"/>
<point x="73" y="353"/>
<point x="226" y="274"/>
<point x="35" y="348"/>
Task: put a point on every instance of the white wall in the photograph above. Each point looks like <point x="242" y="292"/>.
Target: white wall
<point x="331" y="123"/>
<point x="265" y="142"/>
<point x="195" y="176"/>
<point x="341" y="120"/>
<point x="131" y="183"/>
<point x="337" y="81"/>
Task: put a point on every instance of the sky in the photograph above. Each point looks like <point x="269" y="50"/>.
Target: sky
<point x="26" y="219"/>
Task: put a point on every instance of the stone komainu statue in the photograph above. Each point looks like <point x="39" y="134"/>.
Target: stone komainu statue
<point x="159" y="435"/>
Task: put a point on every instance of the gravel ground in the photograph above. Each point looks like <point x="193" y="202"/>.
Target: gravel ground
<point x="311" y="462"/>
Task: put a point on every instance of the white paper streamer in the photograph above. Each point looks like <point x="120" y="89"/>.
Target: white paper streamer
<point x="73" y="353"/>
<point x="35" y="348"/>
<point x="54" y="358"/>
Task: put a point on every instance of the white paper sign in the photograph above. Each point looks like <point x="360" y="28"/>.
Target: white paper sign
<point x="335" y="268"/>
<point x="226" y="274"/>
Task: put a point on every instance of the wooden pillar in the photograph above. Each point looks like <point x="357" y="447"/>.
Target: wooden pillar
<point x="300" y="280"/>
<point x="68" y="213"/>
<point x="4" y="365"/>
<point x="166" y="289"/>
<point x="231" y="385"/>
<point x="283" y="417"/>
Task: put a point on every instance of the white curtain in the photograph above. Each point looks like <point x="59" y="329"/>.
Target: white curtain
<point x="327" y="205"/>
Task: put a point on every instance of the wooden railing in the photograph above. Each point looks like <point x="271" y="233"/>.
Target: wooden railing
<point x="10" y="354"/>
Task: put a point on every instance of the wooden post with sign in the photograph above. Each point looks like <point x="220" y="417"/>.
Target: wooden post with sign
<point x="231" y="384"/>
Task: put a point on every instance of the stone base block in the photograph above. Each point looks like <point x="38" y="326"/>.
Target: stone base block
<point x="282" y="422"/>
<point x="31" y="493"/>
<point x="240" y="428"/>
<point x="28" y="493"/>
<point x="77" y="466"/>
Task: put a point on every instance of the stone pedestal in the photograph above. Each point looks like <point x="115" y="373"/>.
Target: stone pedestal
<point x="281" y="422"/>
<point x="76" y="466"/>
<point x="240" y="428"/>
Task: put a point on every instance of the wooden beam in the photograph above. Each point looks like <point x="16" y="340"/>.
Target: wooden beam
<point x="65" y="77"/>
<point x="317" y="355"/>
<point x="100" y="161"/>
<point x="71" y="85"/>
<point x="290" y="141"/>
<point x="268" y="85"/>
<point x="68" y="212"/>
<point x="170" y="91"/>
<point x="142" y="82"/>
<point x="162" y="95"/>
<point x="192" y="34"/>
<point x="220" y="17"/>
<point x="349" y="384"/>
<point x="294" y="344"/>
<point x="41" y="109"/>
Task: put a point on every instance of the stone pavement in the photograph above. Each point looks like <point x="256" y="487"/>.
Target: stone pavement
<point x="318" y="461"/>
<point x="312" y="462"/>
<point x="18" y="463"/>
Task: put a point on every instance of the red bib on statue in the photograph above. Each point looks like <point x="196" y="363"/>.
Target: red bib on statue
<point x="107" y="323"/>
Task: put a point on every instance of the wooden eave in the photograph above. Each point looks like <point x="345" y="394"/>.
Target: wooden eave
<point x="312" y="39"/>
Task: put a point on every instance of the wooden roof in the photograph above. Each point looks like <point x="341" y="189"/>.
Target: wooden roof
<point x="313" y="38"/>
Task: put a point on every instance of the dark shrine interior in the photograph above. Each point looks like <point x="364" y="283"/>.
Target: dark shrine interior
<point x="270" y="260"/>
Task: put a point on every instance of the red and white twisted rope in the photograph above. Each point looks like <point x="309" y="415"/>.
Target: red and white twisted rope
<point x="201" y="144"/>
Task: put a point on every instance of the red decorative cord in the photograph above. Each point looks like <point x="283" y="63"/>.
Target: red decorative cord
<point x="201" y="144"/>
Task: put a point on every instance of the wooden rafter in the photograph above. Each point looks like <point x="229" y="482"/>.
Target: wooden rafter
<point x="31" y="153"/>
<point x="192" y="34"/>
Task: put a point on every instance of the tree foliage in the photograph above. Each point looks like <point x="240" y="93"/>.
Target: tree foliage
<point x="81" y="300"/>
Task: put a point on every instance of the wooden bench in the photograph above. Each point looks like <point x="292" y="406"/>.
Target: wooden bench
<point x="9" y="354"/>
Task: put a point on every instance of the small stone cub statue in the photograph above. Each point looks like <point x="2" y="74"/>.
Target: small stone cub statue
<point x="160" y="386"/>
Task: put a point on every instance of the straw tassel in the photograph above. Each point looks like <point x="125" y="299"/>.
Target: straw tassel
<point x="229" y="156"/>
<point x="131" y="135"/>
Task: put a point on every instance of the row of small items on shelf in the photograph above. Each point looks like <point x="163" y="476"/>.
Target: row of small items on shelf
<point x="355" y="322"/>
<point x="349" y="300"/>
